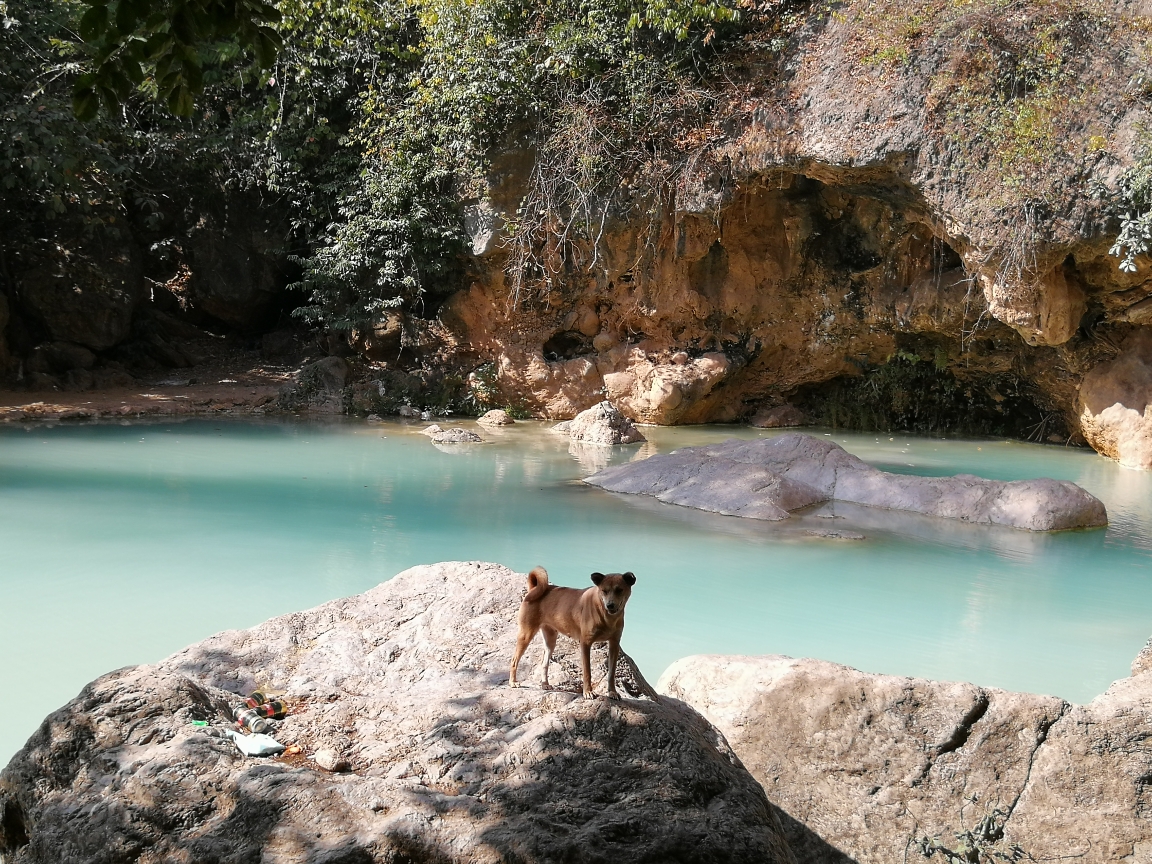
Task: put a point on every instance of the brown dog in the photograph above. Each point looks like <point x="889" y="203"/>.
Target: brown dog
<point x="593" y="615"/>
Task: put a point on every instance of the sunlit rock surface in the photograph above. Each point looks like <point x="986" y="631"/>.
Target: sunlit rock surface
<point x="601" y="424"/>
<point x="866" y="766"/>
<point x="413" y="750"/>
<point x="1116" y="404"/>
<point x="770" y="477"/>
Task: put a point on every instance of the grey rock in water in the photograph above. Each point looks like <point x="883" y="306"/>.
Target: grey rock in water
<point x="412" y="748"/>
<point x="452" y="435"/>
<point x="601" y="424"/>
<point x="496" y="417"/>
<point x="866" y="766"/>
<point x="770" y="477"/>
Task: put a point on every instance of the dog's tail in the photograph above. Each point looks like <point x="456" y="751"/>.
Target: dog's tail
<point x="537" y="583"/>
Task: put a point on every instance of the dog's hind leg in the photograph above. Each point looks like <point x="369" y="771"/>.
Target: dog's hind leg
<point x="523" y="639"/>
<point x="549" y="648"/>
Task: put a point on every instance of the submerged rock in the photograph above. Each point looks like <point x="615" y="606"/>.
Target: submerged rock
<point x="867" y="765"/>
<point x="770" y="477"/>
<point x="601" y="424"/>
<point x="413" y="749"/>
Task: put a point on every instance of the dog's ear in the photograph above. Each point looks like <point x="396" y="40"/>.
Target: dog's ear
<point x="630" y="578"/>
<point x="597" y="578"/>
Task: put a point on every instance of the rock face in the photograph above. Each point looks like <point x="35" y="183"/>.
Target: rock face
<point x="845" y="209"/>
<point x="402" y="691"/>
<point x="86" y="295"/>
<point x="234" y="266"/>
<point x="870" y="764"/>
<point x="601" y="424"/>
<point x="779" y="416"/>
<point x="1116" y="404"/>
<point x="769" y="477"/>
<point x="319" y="387"/>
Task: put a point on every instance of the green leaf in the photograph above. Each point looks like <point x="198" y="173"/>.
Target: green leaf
<point x="180" y="102"/>
<point x="126" y="16"/>
<point x="85" y="103"/>
<point x="93" y="23"/>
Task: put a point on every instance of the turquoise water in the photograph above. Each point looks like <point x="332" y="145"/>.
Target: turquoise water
<point x="122" y="543"/>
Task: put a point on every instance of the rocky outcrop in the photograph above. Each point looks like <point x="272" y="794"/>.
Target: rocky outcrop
<point x="1116" y="404"/>
<point x="868" y="766"/>
<point x="495" y="417"/>
<point x="319" y="387"/>
<point x="453" y="435"/>
<point x="601" y="424"/>
<point x="235" y="269"/>
<point x="779" y="416"/>
<point x="769" y="477"/>
<point x="848" y="207"/>
<point x="411" y="748"/>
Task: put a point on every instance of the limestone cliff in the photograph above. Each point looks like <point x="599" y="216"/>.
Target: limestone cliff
<point x="846" y="208"/>
<point x="907" y="203"/>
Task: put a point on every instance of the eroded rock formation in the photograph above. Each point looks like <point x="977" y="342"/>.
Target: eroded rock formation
<point x="769" y="477"/>
<point x="842" y="213"/>
<point x="866" y="766"/>
<point x="414" y="750"/>
<point x="603" y="423"/>
<point x="1116" y="404"/>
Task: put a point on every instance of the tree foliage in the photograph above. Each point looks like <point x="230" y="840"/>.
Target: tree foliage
<point x="455" y="77"/>
<point x="157" y="44"/>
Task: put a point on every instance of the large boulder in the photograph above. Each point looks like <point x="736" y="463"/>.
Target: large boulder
<point x="86" y="294"/>
<point x="769" y="477"/>
<point x="602" y="424"/>
<point x="413" y="750"/>
<point x="319" y="387"/>
<point x="496" y="417"/>
<point x="236" y="267"/>
<point x="1116" y="404"/>
<point x="869" y="766"/>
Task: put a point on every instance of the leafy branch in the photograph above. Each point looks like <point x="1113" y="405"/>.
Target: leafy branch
<point x="130" y="41"/>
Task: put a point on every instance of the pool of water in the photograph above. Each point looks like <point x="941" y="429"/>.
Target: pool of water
<point x="122" y="543"/>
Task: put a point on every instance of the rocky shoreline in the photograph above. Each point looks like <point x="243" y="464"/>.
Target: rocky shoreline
<point x="407" y="745"/>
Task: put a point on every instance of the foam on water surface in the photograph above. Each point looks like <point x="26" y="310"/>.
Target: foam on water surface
<point x="120" y="544"/>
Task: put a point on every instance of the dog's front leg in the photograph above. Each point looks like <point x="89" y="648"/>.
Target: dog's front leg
<point x="586" y="668"/>
<point x="613" y="655"/>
